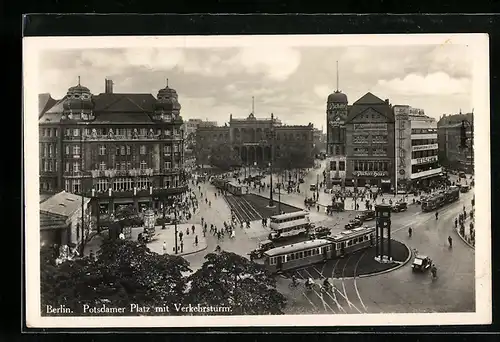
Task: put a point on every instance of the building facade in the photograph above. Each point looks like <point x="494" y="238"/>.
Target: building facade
<point x="118" y="149"/>
<point x="370" y="143"/>
<point x="336" y="113"/>
<point x="416" y="148"/>
<point x="451" y="154"/>
<point x="251" y="139"/>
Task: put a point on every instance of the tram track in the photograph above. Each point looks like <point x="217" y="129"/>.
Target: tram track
<point x="332" y="295"/>
<point x="333" y="284"/>
<point x="325" y="304"/>
<point x="356" y="284"/>
<point x="240" y="212"/>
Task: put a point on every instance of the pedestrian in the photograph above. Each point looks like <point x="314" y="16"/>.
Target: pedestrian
<point x="196" y="240"/>
<point x="182" y="247"/>
<point x="193" y="228"/>
<point x="180" y="236"/>
<point x="164" y="247"/>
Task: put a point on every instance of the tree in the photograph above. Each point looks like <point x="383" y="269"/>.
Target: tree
<point x="293" y="157"/>
<point x="228" y="279"/>
<point x="224" y="157"/>
<point x="124" y="272"/>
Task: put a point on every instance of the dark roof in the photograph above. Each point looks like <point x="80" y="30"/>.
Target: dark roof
<point x="123" y="103"/>
<point x="45" y="102"/>
<point x="337" y="97"/>
<point x="370" y="101"/>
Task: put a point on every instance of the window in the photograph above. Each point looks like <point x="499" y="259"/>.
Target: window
<point x="56" y="134"/>
<point x="67" y="132"/>
<point x="51" y="151"/>
<point x="76" y="150"/>
<point x="76" y="185"/>
<point x="167" y="149"/>
<point x="102" y="150"/>
<point x="143" y="183"/>
<point x="144" y="165"/>
<point x="123" y="166"/>
<point x="168" y="165"/>
<point x="333" y="165"/>
<point x="102" y="185"/>
<point x="122" y="184"/>
<point x="66" y="167"/>
<point x="117" y="166"/>
<point x="176" y="181"/>
<point x="51" y="163"/>
<point x="66" y="185"/>
<point x="143" y="149"/>
<point x="129" y="166"/>
<point x="341" y="165"/>
<point x="76" y="132"/>
<point x="76" y="167"/>
<point x="167" y="182"/>
<point x="176" y="148"/>
<point x="102" y="166"/>
<point x="128" y="150"/>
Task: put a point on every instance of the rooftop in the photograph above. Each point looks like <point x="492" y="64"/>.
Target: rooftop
<point x="63" y="204"/>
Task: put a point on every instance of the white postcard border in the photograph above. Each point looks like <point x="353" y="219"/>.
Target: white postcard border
<point x="33" y="46"/>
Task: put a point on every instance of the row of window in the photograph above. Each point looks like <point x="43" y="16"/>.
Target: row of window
<point x="48" y="165"/>
<point x="337" y="150"/>
<point x="122" y="132"/>
<point x="333" y="165"/>
<point x="120" y="150"/>
<point x="48" y="132"/>
<point x="359" y="165"/>
<point x="364" y="151"/>
<point x="128" y="184"/>
<point x="424" y="167"/>
<point x="48" y="150"/>
<point x="423" y="130"/>
<point x="365" y="139"/>
<point x="318" y="251"/>
<point x="418" y="142"/>
<point x="422" y="154"/>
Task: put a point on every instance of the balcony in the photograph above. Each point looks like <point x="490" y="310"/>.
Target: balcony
<point x="155" y="192"/>
<point x="427" y="173"/>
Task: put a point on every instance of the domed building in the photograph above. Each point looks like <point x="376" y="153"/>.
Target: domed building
<point x="78" y="104"/>
<point x="118" y="149"/>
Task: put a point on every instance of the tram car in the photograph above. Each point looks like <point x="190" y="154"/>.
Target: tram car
<point x="440" y="199"/>
<point x="315" y="251"/>
<point x="231" y="187"/>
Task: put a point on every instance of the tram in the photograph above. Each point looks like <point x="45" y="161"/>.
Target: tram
<point x="231" y="187"/>
<point x="318" y="250"/>
<point x="440" y="199"/>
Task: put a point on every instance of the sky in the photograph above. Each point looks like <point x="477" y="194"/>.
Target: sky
<point x="291" y="82"/>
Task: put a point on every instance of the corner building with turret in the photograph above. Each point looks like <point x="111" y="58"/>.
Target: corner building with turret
<point x="115" y="148"/>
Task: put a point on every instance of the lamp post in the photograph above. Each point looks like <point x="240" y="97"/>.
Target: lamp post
<point x="279" y="195"/>
<point x="271" y="139"/>
<point x="175" y="226"/>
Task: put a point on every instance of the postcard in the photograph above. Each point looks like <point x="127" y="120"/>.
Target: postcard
<point x="239" y="181"/>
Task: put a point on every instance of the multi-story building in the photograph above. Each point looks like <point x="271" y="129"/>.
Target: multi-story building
<point x="451" y="154"/>
<point x="416" y="148"/>
<point x="336" y="113"/>
<point x="251" y="139"/>
<point x="116" y="148"/>
<point x="370" y="143"/>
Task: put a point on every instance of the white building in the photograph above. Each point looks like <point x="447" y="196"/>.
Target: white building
<point x="416" y="147"/>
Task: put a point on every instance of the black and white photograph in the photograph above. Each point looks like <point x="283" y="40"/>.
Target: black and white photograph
<point x="192" y="181"/>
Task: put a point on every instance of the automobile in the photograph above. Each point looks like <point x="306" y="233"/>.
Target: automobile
<point x="301" y="180"/>
<point x="366" y="215"/>
<point x="464" y="188"/>
<point x="399" y="207"/>
<point x="264" y="245"/>
<point x="335" y="207"/>
<point x="421" y="263"/>
<point x="461" y="174"/>
<point x="312" y="187"/>
<point x="319" y="232"/>
<point x="353" y="224"/>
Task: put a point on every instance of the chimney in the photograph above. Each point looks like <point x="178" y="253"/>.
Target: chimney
<point x="386" y="101"/>
<point x="108" y="86"/>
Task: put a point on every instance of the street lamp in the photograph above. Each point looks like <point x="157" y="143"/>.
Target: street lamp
<point x="271" y="139"/>
<point x="175" y="225"/>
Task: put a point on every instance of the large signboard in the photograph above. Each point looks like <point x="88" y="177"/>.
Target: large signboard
<point x="416" y="111"/>
<point x="424" y="147"/>
<point x="371" y="126"/>
<point x="424" y="160"/>
<point x="401" y="111"/>
<point x="370" y="173"/>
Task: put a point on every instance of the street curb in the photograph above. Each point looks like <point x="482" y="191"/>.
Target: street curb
<point x="200" y="250"/>
<point x="464" y="240"/>
<point x="410" y="254"/>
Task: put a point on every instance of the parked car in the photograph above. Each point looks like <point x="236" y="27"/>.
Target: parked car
<point x="353" y="224"/>
<point x="399" y="207"/>
<point x="263" y="246"/>
<point x="421" y="263"/>
<point x="366" y="215"/>
<point x="312" y="187"/>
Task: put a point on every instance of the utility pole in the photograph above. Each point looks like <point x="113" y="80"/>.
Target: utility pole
<point x="82" y="246"/>
<point x="271" y="138"/>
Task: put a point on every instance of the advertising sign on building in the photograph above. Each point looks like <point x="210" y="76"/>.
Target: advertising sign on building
<point x="370" y="173"/>
<point x="425" y="147"/>
<point x="370" y="126"/>
<point x="416" y="111"/>
<point x="424" y="160"/>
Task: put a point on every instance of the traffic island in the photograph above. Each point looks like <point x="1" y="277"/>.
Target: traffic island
<point x="167" y="236"/>
<point x="358" y="264"/>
